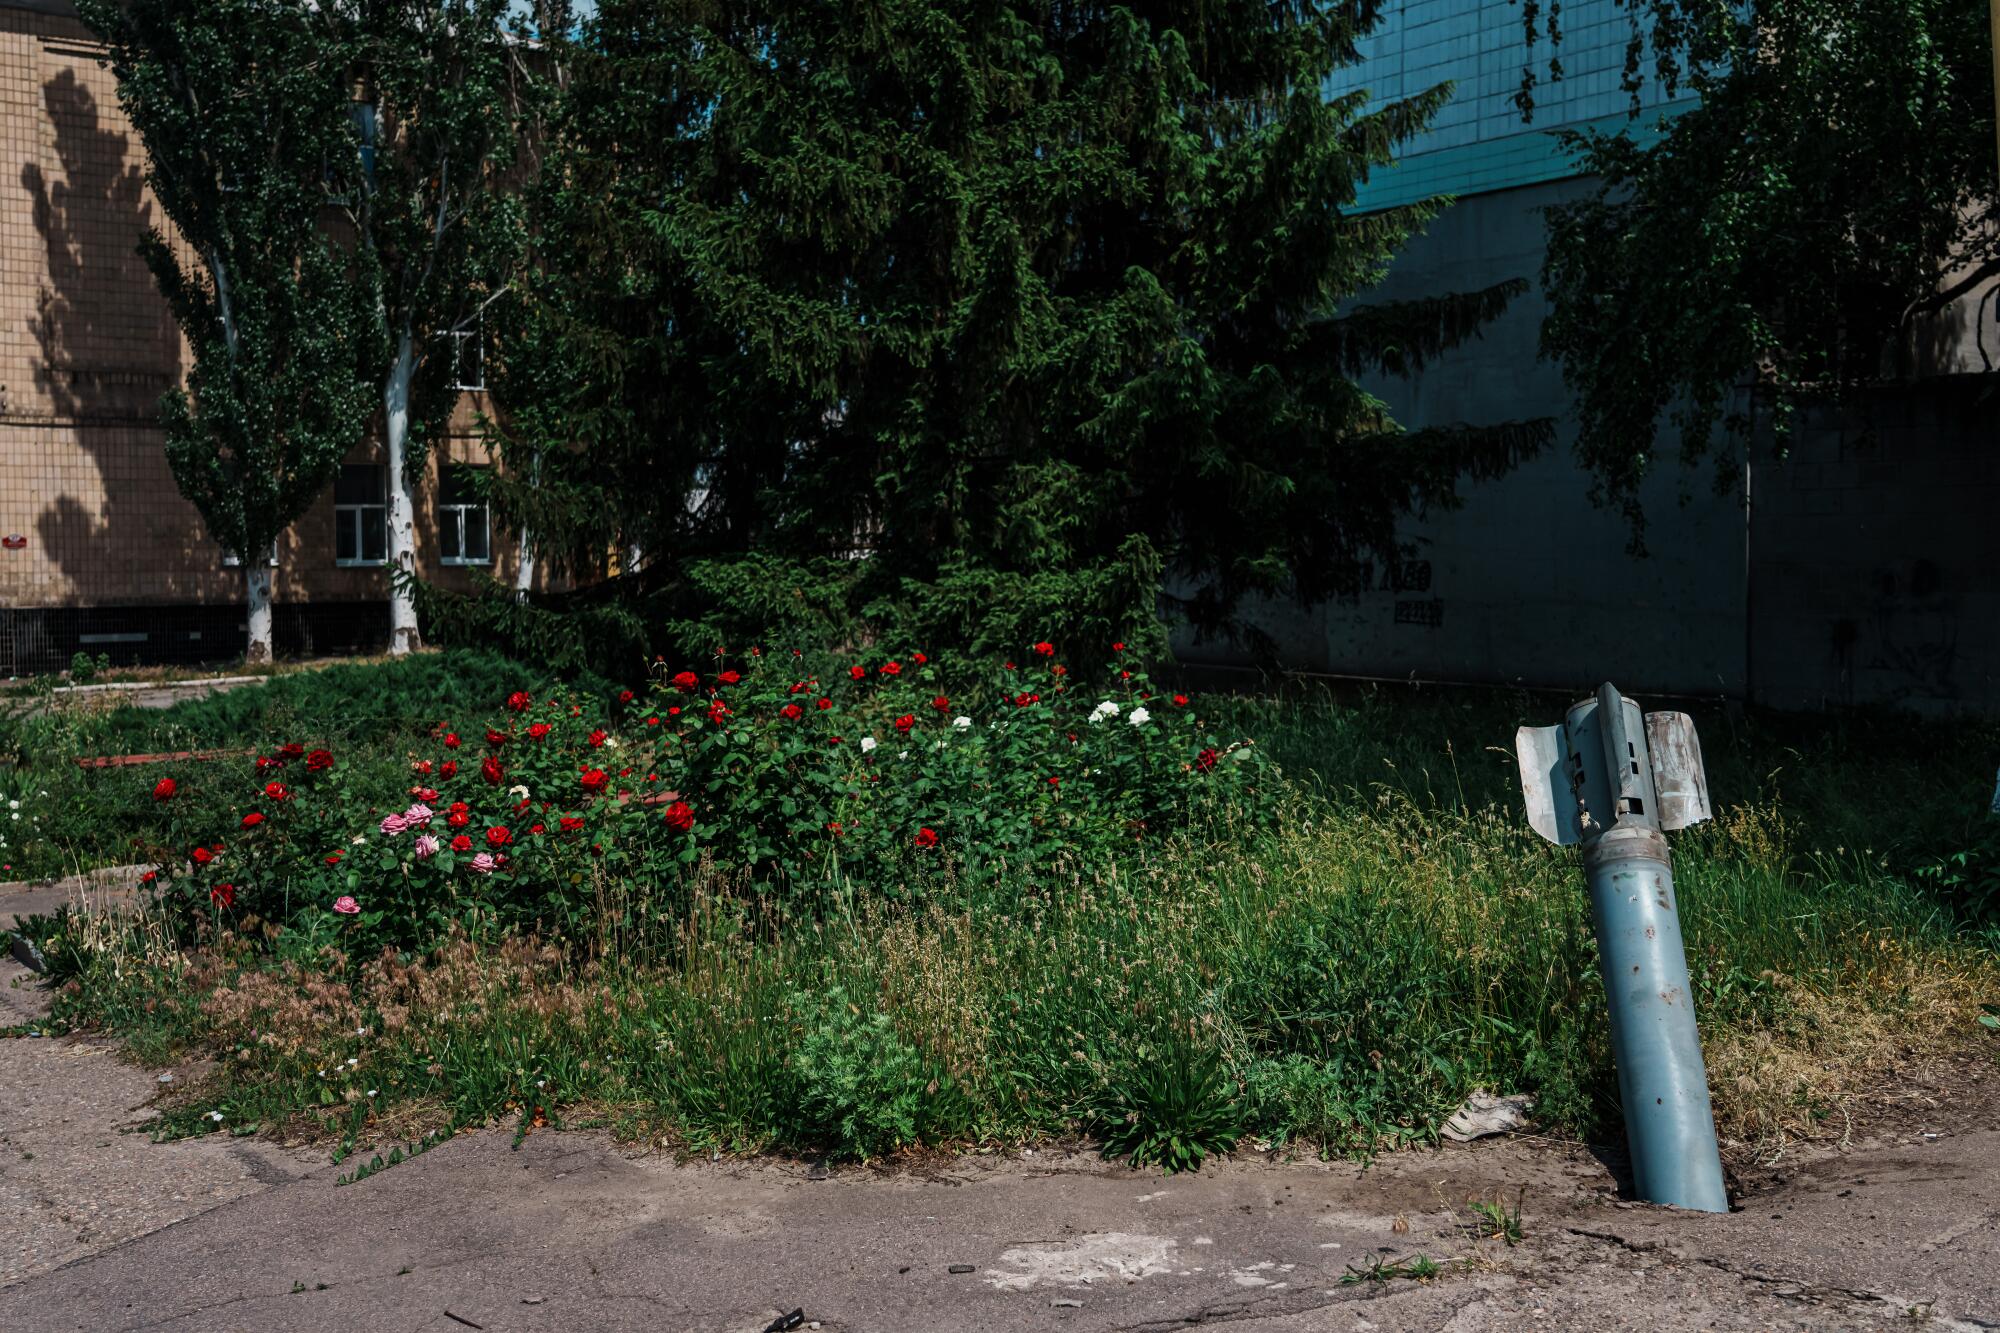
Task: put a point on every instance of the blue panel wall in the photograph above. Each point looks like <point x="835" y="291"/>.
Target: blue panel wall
<point x="1479" y="142"/>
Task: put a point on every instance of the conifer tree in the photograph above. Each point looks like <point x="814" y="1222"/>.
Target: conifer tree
<point x="1041" y="310"/>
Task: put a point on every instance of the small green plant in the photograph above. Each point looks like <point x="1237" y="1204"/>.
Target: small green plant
<point x="83" y="668"/>
<point x="858" y="1087"/>
<point x="1175" y="1111"/>
<point x="1417" y="1268"/>
<point x="1493" y="1219"/>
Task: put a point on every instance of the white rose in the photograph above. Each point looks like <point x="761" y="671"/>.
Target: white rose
<point x="1138" y="716"/>
<point x="962" y="723"/>
<point x="867" y="744"/>
<point x="1102" y="711"/>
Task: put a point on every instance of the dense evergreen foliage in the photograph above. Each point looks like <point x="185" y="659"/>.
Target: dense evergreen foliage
<point x="1038" y="307"/>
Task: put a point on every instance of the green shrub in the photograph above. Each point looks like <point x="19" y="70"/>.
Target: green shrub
<point x="858" y="1090"/>
<point x="1172" y="1108"/>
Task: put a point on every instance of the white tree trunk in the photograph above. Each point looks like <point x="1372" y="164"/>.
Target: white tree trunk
<point x="257" y="602"/>
<point x="402" y="511"/>
<point x="524" y="564"/>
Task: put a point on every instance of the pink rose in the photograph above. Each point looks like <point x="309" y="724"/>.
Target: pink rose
<point x="417" y="815"/>
<point x="483" y="863"/>
<point x="393" y="824"/>
<point x="426" y="847"/>
<point x="346" y="906"/>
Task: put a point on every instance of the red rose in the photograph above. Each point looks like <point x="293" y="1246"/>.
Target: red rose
<point x="1206" y="759"/>
<point x="1180" y="701"/>
<point x="904" y="723"/>
<point x="426" y="795"/>
<point x="333" y="858"/>
<point x="223" y="895"/>
<point x="942" y="704"/>
<point x="1059" y="670"/>
<point x="149" y="877"/>
<point x="451" y="740"/>
<point x="265" y="763"/>
<point x="1124" y="675"/>
<point x="252" y="820"/>
<point x="423" y="766"/>
<point x="652" y="721"/>
<point x="1023" y="700"/>
<point x="717" y="711"/>
<point x="201" y="856"/>
<point x="674" y="711"/>
<point x="291" y="750"/>
<point x="461" y="843"/>
<point x="498" y="837"/>
<point x="798" y="688"/>
<point x="595" y="780"/>
<point x="448" y="769"/>
<point x="319" y="761"/>
<point x="519" y="701"/>
<point x="686" y="682"/>
<point x="793" y="711"/>
<point x="496" y="739"/>
<point x="569" y="823"/>
<point x="1010" y="666"/>
<point x="598" y="737"/>
<point x="624" y="696"/>
<point x="458" y="807"/>
<point x="919" y="658"/>
<point x="1117" y="647"/>
<point x="164" y="789"/>
<point x="891" y="668"/>
<point x="458" y="819"/>
<point x="491" y="770"/>
<point x="534" y="828"/>
<point x="926" y="837"/>
<point x="857" y="671"/>
<point x="680" y="816"/>
<point x="537" y="730"/>
<point x="1055" y="782"/>
<point x="277" y="791"/>
<point x="1046" y="649"/>
<point x="825" y="704"/>
<point x="729" y="678"/>
<point x="833" y="827"/>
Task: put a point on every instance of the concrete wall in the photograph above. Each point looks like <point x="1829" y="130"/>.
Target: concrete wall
<point x="1862" y="573"/>
<point x="1518" y="585"/>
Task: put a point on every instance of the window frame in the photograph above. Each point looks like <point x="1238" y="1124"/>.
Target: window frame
<point x="355" y="513"/>
<point x="457" y="338"/>
<point x="459" y="511"/>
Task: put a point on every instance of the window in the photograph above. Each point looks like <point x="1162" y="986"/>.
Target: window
<point x="231" y="560"/>
<point x="361" y="515"/>
<point x="467" y="349"/>
<point x="465" y="531"/>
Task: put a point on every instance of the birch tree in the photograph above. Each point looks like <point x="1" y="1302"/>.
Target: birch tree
<point x="436" y="227"/>
<point x="242" y="107"/>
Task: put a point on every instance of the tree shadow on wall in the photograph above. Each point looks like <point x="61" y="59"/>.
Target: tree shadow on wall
<point x="109" y="349"/>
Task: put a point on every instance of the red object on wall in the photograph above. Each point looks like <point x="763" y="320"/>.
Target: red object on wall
<point x="13" y="541"/>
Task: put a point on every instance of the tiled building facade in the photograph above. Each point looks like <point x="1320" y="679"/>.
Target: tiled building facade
<point x="98" y="550"/>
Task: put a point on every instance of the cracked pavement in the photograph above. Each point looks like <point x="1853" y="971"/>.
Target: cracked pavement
<point x="106" y="1230"/>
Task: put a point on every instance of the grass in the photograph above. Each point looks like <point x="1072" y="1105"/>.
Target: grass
<point x="1335" y="980"/>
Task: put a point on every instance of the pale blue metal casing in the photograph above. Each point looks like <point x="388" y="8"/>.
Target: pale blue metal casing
<point x="1612" y="779"/>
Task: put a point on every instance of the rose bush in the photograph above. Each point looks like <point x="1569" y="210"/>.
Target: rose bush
<point x="859" y="776"/>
